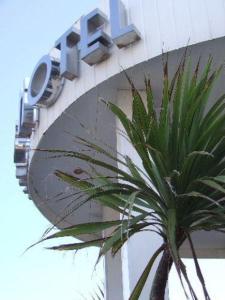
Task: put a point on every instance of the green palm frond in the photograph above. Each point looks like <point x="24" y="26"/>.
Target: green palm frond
<point x="180" y="187"/>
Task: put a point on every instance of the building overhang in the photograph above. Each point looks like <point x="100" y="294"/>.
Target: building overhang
<point x="76" y="109"/>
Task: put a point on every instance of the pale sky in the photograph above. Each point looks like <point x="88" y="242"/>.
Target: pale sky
<point x="28" y="30"/>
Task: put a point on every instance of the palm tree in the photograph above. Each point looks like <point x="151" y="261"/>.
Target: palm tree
<point x="181" y="186"/>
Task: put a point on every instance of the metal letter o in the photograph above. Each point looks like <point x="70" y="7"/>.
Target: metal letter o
<point x="46" y="82"/>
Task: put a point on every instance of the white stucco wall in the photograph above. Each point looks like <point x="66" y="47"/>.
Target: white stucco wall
<point x="139" y="249"/>
<point x="165" y="25"/>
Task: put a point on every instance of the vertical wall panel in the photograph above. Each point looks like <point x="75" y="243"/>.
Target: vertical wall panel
<point x="125" y="55"/>
<point x="111" y="64"/>
<point x="88" y="73"/>
<point x="151" y="28"/>
<point x="216" y="17"/>
<point x="181" y="13"/>
<point x="199" y="20"/>
<point x="166" y="25"/>
<point x="135" y="16"/>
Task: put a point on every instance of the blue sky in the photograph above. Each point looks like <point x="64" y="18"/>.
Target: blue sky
<point x="28" y="29"/>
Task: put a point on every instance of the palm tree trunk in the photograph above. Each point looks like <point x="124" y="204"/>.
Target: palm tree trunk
<point x="161" y="277"/>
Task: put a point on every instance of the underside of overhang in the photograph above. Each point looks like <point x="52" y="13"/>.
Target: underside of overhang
<point x="90" y="119"/>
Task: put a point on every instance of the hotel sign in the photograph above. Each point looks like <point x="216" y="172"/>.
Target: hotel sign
<point x="91" y="44"/>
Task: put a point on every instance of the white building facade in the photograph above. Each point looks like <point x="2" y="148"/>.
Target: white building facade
<point x="61" y="101"/>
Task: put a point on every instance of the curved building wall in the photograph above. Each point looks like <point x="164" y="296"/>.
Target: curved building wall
<point x="164" y="26"/>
